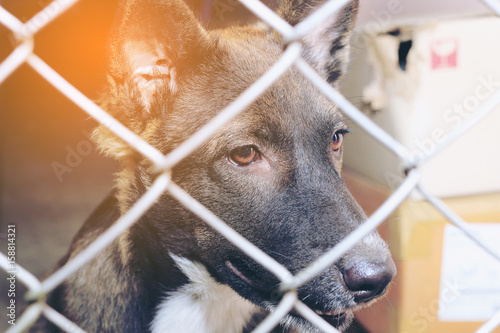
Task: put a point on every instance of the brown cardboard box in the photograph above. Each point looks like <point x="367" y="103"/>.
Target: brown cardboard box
<point x="415" y="234"/>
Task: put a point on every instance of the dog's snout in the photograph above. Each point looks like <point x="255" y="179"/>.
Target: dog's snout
<point x="368" y="280"/>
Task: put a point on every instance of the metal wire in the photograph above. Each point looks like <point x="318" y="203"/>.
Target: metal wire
<point x="62" y="322"/>
<point x="95" y="111"/>
<point x="482" y="112"/>
<point x="136" y="211"/>
<point x="28" y="318"/>
<point x="37" y="290"/>
<point x="351" y="111"/>
<point x="281" y="310"/>
<point x="491" y="324"/>
<point x="493" y="4"/>
<point x="15" y="59"/>
<point x="270" y="17"/>
<point x="28" y="279"/>
<point x="354" y="237"/>
<point x="242" y="243"/>
<point x="316" y="18"/>
<point x="310" y="315"/>
<point x="45" y="16"/>
<point x="10" y="21"/>
<point x="236" y="107"/>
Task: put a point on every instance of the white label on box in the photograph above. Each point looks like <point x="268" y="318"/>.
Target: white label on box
<point x="470" y="277"/>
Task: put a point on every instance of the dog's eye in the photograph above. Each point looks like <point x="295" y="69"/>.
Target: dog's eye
<point x="337" y="140"/>
<point x="244" y="155"/>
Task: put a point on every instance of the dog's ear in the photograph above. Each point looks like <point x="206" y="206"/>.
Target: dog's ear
<point x="152" y="43"/>
<point x="327" y="46"/>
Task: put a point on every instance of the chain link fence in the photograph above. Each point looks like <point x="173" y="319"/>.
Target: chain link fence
<point x="23" y="53"/>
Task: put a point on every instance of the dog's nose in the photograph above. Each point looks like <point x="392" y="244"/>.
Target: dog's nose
<point x="367" y="280"/>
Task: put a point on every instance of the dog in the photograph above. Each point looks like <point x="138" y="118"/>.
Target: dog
<point x="273" y="174"/>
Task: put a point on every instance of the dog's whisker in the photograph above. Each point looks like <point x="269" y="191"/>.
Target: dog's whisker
<point x="353" y="97"/>
<point x="388" y="300"/>
<point x="281" y="255"/>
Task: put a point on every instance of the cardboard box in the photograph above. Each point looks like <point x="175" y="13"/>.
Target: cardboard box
<point x="419" y="86"/>
<point x="444" y="283"/>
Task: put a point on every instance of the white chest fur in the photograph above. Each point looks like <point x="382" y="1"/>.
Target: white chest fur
<point x="201" y="306"/>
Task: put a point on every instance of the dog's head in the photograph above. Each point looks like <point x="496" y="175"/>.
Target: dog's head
<point x="272" y="174"/>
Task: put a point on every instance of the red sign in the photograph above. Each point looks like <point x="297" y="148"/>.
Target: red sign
<point x="444" y="53"/>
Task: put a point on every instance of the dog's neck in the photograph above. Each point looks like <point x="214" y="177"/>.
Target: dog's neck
<point x="202" y="305"/>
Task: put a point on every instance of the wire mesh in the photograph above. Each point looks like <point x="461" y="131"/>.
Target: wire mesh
<point x="37" y="290"/>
